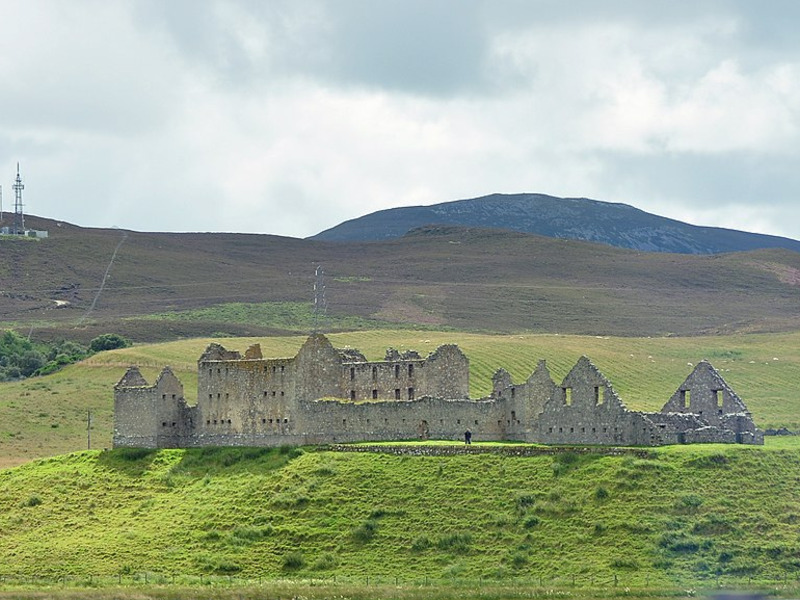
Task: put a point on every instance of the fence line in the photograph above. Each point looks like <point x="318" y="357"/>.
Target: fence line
<point x="583" y="580"/>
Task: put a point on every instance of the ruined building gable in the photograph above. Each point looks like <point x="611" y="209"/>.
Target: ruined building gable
<point x="705" y="392"/>
<point x="586" y="386"/>
<point x="132" y="378"/>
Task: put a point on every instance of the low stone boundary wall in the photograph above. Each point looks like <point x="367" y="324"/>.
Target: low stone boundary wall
<point x="456" y="450"/>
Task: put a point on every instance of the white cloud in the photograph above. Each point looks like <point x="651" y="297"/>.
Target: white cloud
<point x="290" y="116"/>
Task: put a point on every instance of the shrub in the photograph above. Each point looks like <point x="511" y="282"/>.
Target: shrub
<point x="293" y="560"/>
<point x="34" y="500"/>
<point x="325" y="562"/>
<point x="518" y="560"/>
<point x="525" y="501"/>
<point x="250" y="534"/>
<point x="623" y="563"/>
<point x="688" y="503"/>
<point x="530" y="522"/>
<point x="601" y="493"/>
<point x="108" y="341"/>
<point x="364" y="533"/>
<point x="421" y="543"/>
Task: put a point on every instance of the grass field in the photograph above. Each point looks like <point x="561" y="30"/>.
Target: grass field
<point x="684" y="517"/>
<point x="46" y="416"/>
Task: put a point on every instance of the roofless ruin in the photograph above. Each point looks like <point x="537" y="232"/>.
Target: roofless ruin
<point x="328" y="395"/>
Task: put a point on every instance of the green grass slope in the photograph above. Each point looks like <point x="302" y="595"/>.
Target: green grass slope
<point x="46" y="416"/>
<point x="684" y="516"/>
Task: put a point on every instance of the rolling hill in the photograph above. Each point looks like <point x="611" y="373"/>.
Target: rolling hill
<point x="675" y="518"/>
<point x="164" y="286"/>
<point x="614" y="224"/>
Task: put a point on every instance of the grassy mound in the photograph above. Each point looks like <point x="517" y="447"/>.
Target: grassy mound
<point x="687" y="515"/>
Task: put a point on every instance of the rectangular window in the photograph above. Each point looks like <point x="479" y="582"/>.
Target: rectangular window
<point x="410" y="370"/>
<point x="397" y="394"/>
<point x="374" y="373"/>
<point x="397" y="371"/>
<point x="718" y="397"/>
<point x="374" y="394"/>
<point x="352" y="373"/>
<point x="596" y="395"/>
<point x="352" y="394"/>
<point x="410" y="393"/>
<point x="685" y="400"/>
<point x="568" y="396"/>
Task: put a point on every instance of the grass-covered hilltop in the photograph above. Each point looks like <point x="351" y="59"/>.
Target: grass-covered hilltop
<point x="671" y="516"/>
<point x="674" y="517"/>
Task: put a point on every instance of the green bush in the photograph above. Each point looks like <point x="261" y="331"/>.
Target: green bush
<point x="421" y="543"/>
<point x="293" y="560"/>
<point x="34" y="500"/>
<point x="364" y="533"/>
<point x="108" y="341"/>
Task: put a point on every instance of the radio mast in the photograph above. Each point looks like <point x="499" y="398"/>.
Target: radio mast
<point x="19" y="219"/>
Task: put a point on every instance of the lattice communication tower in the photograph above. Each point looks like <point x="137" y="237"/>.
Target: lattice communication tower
<point x="19" y="218"/>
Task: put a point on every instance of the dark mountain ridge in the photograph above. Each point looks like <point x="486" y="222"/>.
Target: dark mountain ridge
<point x="614" y="224"/>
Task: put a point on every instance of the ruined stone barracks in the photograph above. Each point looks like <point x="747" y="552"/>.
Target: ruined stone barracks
<point x="327" y="395"/>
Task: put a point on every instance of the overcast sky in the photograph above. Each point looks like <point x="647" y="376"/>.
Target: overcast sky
<point x="288" y="117"/>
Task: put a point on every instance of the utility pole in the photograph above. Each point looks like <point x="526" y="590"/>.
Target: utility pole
<point x="320" y="305"/>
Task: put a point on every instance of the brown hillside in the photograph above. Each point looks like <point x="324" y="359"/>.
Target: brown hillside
<point x="457" y="277"/>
